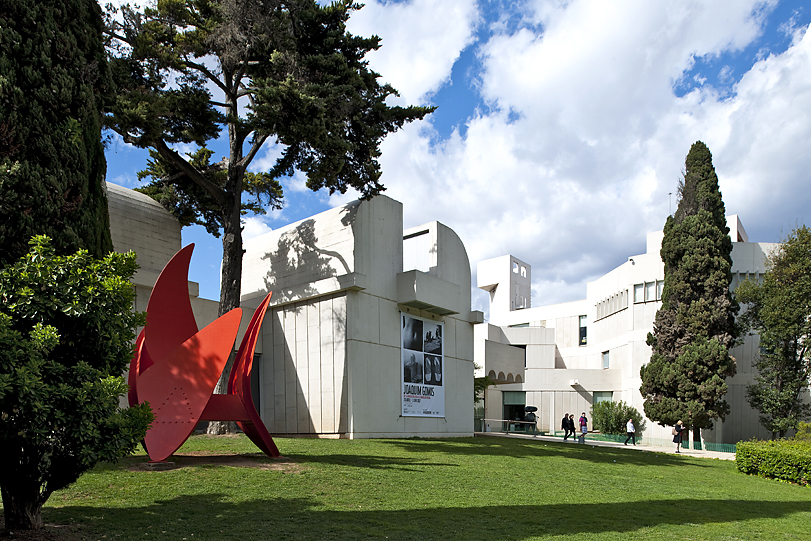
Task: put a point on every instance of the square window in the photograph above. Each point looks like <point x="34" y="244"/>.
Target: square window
<point x="603" y="396"/>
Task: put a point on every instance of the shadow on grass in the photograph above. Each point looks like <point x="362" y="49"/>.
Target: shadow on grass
<point x="213" y="517"/>
<point x="495" y="447"/>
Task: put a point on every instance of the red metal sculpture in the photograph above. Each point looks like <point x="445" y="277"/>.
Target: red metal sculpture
<point x="176" y="367"/>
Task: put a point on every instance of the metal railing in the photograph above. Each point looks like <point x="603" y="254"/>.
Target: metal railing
<point x="507" y="426"/>
<point x="523" y="427"/>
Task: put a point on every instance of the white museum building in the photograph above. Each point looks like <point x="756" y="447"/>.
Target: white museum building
<point x="369" y="332"/>
<point x="565" y="357"/>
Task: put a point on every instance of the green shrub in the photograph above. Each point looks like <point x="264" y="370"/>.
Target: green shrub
<point x="803" y="432"/>
<point x="787" y="460"/>
<point x="610" y="417"/>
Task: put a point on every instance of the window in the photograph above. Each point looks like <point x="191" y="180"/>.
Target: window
<point x="583" y="330"/>
<point x="660" y="285"/>
<point x="513" y="405"/>
<point x="650" y="291"/>
<point x="603" y="396"/>
<point x="639" y="293"/>
<point x="605" y="359"/>
<point x="523" y="271"/>
<point x="515" y="267"/>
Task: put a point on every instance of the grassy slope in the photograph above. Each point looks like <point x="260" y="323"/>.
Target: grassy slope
<point x="483" y="488"/>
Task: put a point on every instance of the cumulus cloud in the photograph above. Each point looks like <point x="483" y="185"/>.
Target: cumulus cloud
<point x="579" y="147"/>
<point x="254" y="226"/>
<point x="421" y="41"/>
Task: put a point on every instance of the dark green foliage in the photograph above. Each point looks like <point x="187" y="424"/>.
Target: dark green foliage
<point x="53" y="78"/>
<point x="66" y="332"/>
<point x="695" y="327"/>
<point x="787" y="460"/>
<point x="610" y="417"/>
<point x="302" y="80"/>
<point x="480" y="385"/>
<point x="779" y="310"/>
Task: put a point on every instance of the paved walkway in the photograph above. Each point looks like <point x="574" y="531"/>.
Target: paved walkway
<point x="700" y="453"/>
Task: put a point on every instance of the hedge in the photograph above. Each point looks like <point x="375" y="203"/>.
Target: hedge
<point x="787" y="460"/>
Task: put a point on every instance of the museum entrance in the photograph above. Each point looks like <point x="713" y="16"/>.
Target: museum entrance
<point x="513" y="409"/>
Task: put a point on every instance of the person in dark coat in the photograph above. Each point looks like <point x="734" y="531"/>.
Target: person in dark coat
<point x="571" y="425"/>
<point x="564" y="425"/>
<point x="677" y="434"/>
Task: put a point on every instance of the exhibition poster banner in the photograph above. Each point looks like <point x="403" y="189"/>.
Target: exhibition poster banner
<point x="422" y="350"/>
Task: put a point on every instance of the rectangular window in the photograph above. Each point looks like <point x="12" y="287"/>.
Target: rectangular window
<point x="605" y="359"/>
<point x="639" y="293"/>
<point x="514" y="398"/>
<point x="650" y="291"/>
<point x="660" y="286"/>
<point x="583" y="330"/>
<point x="515" y="267"/>
<point x="523" y="271"/>
<point x="603" y="396"/>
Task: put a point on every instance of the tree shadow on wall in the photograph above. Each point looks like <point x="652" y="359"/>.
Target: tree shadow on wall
<point x="297" y="262"/>
<point x="300" y="259"/>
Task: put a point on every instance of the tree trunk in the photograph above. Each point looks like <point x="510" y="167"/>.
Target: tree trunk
<point x="22" y="507"/>
<point x="231" y="279"/>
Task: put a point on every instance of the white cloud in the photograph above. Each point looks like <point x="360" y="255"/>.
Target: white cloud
<point x="254" y="226"/>
<point x="421" y="39"/>
<point x="586" y="139"/>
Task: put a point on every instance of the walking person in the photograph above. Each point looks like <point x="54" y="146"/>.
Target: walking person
<point x="571" y="425"/>
<point x="584" y="427"/>
<point x="677" y="434"/>
<point x="564" y="425"/>
<point x="630" y="431"/>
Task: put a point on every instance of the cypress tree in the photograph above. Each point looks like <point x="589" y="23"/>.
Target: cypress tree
<point x="695" y="326"/>
<point x="53" y="78"/>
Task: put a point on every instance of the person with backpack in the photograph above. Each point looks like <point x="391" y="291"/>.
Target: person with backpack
<point x="584" y="428"/>
<point x="677" y="434"/>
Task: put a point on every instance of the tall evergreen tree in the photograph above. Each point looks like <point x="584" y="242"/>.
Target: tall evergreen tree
<point x="695" y="326"/>
<point x="53" y="78"/>
<point x="779" y="310"/>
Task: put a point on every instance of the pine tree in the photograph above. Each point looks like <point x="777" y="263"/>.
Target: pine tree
<point x="287" y="72"/>
<point x="53" y="78"/>
<point x="695" y="326"/>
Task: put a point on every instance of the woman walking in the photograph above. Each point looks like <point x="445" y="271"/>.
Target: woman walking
<point x="677" y="434"/>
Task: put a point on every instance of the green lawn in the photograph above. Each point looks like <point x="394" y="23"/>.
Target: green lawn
<point x="482" y="488"/>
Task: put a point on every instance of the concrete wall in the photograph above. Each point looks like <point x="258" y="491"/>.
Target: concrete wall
<point x="140" y="224"/>
<point x="338" y="290"/>
<point x="619" y="328"/>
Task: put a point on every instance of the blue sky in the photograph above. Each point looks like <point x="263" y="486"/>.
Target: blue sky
<point x="562" y="126"/>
